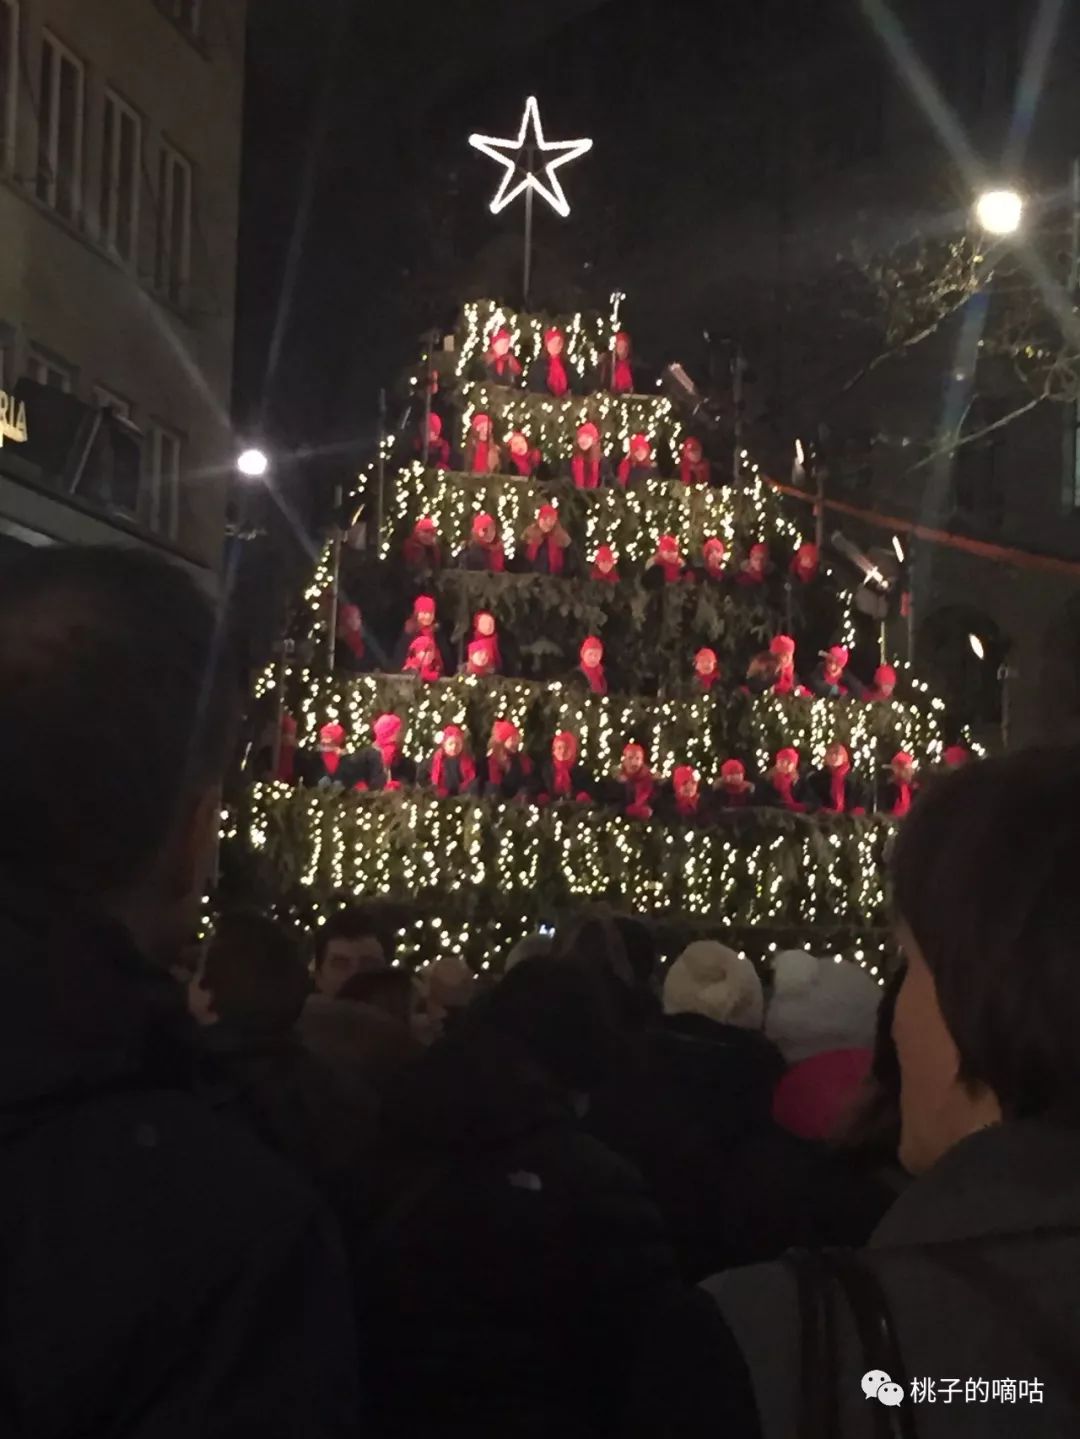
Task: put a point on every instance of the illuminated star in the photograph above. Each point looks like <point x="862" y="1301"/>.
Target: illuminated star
<point x="508" y="154"/>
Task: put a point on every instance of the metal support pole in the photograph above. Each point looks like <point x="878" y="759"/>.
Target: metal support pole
<point x="380" y="472"/>
<point x="526" y="281"/>
<point x="737" y="404"/>
<point x="819" y="507"/>
<point x="1005" y="674"/>
<point x="427" y="410"/>
<point x="335" y="582"/>
<point x="910" y="603"/>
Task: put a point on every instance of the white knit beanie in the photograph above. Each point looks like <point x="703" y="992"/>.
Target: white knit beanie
<point x="818" y="1005"/>
<point x="710" y="979"/>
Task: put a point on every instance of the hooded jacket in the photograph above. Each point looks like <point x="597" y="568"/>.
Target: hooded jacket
<point x="163" y="1272"/>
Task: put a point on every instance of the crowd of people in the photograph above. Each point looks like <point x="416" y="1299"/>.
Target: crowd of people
<point x="594" y="1197"/>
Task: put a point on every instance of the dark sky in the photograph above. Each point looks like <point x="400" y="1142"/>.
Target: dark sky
<point x="365" y="212"/>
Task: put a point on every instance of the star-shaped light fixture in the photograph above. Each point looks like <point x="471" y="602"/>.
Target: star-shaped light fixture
<point x="508" y="153"/>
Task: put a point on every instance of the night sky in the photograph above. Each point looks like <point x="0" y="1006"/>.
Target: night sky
<point x="365" y="211"/>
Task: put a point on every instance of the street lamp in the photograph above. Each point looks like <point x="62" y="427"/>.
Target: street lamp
<point x="252" y="464"/>
<point x="898" y="549"/>
<point x="999" y="212"/>
<point x="978" y="649"/>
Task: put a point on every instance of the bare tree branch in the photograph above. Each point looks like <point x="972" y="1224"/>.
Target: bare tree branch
<point x="959" y="441"/>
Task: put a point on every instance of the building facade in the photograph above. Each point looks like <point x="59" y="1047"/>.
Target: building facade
<point x="120" y="152"/>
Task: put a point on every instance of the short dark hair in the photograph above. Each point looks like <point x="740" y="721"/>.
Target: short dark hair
<point x="984" y="875"/>
<point x="120" y="693"/>
<point x="254" y="973"/>
<point x="354" y="921"/>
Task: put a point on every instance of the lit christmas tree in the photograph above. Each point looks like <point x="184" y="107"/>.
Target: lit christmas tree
<point x="476" y="873"/>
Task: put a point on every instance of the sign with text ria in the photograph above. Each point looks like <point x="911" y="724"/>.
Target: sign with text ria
<point x="12" y="420"/>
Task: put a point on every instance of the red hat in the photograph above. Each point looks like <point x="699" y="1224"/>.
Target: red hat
<point x="787" y="756"/>
<point x="482" y="522"/>
<point x="386" y="729"/>
<point x="714" y="546"/>
<point x="843" y="750"/>
<point x="434" y="424"/>
<point x="423" y="604"/>
<point x="783" y="646"/>
<point x="839" y="653"/>
<point x="622" y="335"/>
<point x="690" y="440"/>
<point x="955" y="755"/>
<point x="735" y="769"/>
<point x="639" y="440"/>
<point x="587" y="643"/>
<point x="902" y="757"/>
<point x="332" y="733"/>
<point x="705" y="654"/>
<point x="633" y="748"/>
<point x="570" y="741"/>
<point x="884" y="675"/>
<point x="500" y="334"/>
<point x="807" y="553"/>
<point x="475" y="646"/>
<point x="453" y="731"/>
<point x="551" y="334"/>
<point x="518" y="435"/>
<point x="605" y="555"/>
<point x="502" y="731"/>
<point x="588" y="428"/>
<point x="479" y="418"/>
<point x="422" y="644"/>
<point x="425" y="525"/>
<point x="548" y="512"/>
<point x="759" y="550"/>
<point x="683" y="774"/>
<point x="483" y="615"/>
<point x="667" y="542"/>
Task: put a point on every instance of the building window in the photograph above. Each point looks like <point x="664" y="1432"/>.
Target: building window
<point x="9" y="81"/>
<point x="121" y="160"/>
<point x="164" y="459"/>
<point x="109" y="400"/>
<point x="60" y="128"/>
<point x="46" y="369"/>
<point x="174" y="225"/>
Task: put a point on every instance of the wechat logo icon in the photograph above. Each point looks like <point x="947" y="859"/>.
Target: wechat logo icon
<point x="876" y="1384"/>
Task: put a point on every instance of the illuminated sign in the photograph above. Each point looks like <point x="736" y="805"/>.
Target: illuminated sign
<point x="12" y="419"/>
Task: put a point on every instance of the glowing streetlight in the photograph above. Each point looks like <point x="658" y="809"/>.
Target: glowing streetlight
<point x="898" y="549"/>
<point x="252" y="464"/>
<point x="999" y="212"/>
<point x="977" y="647"/>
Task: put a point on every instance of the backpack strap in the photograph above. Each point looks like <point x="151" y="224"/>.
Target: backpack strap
<point x="818" y="1358"/>
<point x="877" y="1334"/>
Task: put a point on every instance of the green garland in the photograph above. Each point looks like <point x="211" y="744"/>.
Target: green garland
<point x="700" y="732"/>
<point x="475" y="857"/>
<point x="631" y="523"/>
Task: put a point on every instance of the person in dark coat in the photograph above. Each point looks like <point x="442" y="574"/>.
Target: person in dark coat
<point x="708" y="676"/>
<point x="330" y="764"/>
<point x="974" y="1262"/>
<point x="423" y="623"/>
<point x="349" y="648"/>
<point x="561" y="778"/>
<point x="883" y="690"/>
<point x="732" y="790"/>
<point x="549" y="374"/>
<point x="505" y="773"/>
<point x="383" y="765"/>
<point x="694" y="468"/>
<point x="898" y="787"/>
<point x="546" y="547"/>
<point x="712" y="569"/>
<point x="523" y="459"/>
<point x="247" y="996"/>
<point x="163" y="1270"/>
<point x="781" y="786"/>
<point x="500" y="366"/>
<point x="637" y="466"/>
<point x="484" y="550"/>
<point x="502" y="1230"/>
<point x="438" y="447"/>
<point x="422" y="552"/>
<point x="588" y="468"/>
<point x="615" y="369"/>
<point x="633" y="787"/>
<point x="682" y="801"/>
<point x="451" y="770"/>
<point x="833" y="789"/>
<point x="831" y="680"/>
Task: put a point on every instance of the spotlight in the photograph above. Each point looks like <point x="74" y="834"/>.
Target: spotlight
<point x="252" y="464"/>
<point x="977" y="647"/>
<point x="999" y="212"/>
<point x="898" y="549"/>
